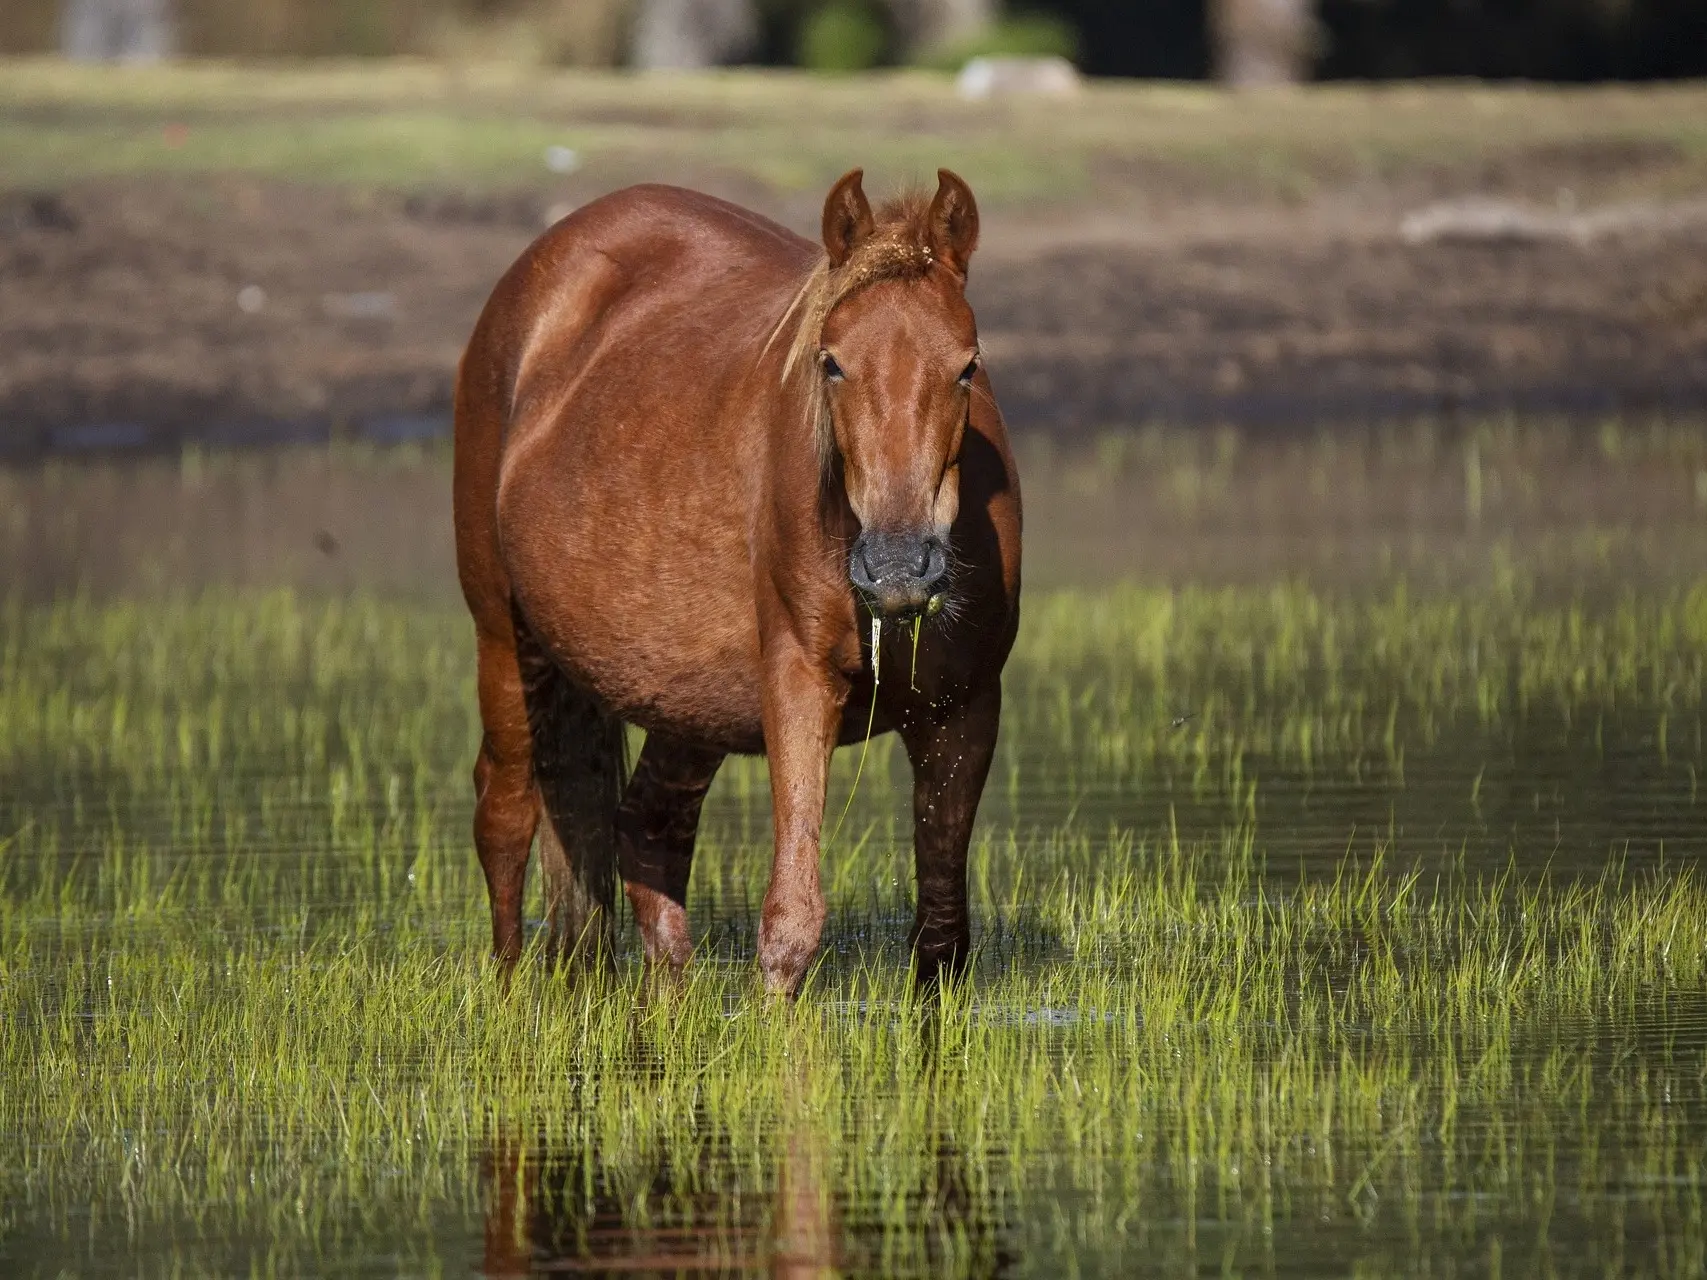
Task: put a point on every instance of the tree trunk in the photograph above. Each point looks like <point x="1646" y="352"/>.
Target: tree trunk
<point x="116" y="30"/>
<point x="925" y="24"/>
<point x="1261" y="42"/>
<point x="683" y="35"/>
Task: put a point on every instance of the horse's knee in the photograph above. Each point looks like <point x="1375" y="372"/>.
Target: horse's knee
<point x="656" y="825"/>
<point x="650" y="852"/>
<point x="789" y="932"/>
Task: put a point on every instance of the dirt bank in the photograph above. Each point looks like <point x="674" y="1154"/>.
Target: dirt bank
<point x="151" y="310"/>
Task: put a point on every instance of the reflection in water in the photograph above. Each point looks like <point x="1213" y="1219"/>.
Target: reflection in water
<point x="550" y="1208"/>
<point x="804" y="1230"/>
<point x="1161" y="505"/>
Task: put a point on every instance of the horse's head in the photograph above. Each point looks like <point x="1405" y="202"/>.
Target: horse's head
<point x="896" y="363"/>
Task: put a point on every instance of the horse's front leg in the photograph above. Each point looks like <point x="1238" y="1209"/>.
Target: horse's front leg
<point x="802" y="712"/>
<point x="950" y="754"/>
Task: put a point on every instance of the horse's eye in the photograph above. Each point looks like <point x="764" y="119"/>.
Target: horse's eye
<point x="968" y="372"/>
<point x="832" y="370"/>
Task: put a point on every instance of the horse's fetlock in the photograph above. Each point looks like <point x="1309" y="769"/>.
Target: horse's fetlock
<point x="787" y="942"/>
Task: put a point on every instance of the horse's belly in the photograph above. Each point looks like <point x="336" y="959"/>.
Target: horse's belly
<point x="689" y="675"/>
<point x="651" y="612"/>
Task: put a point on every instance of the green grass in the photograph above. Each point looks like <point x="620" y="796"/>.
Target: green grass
<point x="407" y="123"/>
<point x="246" y="1023"/>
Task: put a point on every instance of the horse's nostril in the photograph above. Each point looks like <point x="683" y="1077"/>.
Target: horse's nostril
<point x="867" y="571"/>
<point x="933" y="565"/>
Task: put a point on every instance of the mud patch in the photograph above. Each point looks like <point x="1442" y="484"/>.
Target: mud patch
<point x="144" y="313"/>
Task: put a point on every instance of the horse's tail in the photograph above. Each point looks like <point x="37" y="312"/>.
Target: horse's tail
<point x="580" y="767"/>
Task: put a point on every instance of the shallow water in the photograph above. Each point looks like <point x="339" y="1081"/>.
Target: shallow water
<point x="1289" y="963"/>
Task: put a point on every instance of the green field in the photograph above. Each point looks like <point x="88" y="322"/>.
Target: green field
<point x="1314" y="934"/>
<point x="412" y="123"/>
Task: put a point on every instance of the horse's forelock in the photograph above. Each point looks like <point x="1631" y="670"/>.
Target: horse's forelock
<point x="899" y="249"/>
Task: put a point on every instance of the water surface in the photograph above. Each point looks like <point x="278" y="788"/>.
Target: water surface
<point x="1317" y="935"/>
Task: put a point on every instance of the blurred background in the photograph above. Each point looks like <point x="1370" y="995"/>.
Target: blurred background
<point x="271" y="223"/>
<point x="1241" y="40"/>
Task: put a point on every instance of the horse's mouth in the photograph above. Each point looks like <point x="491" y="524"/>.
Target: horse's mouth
<point x="903" y="603"/>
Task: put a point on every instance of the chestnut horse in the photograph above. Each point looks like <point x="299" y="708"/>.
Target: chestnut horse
<point x="699" y="464"/>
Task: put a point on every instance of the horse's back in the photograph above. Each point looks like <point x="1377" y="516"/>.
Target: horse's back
<point x="644" y="267"/>
<point x="608" y="430"/>
<point x="661" y="256"/>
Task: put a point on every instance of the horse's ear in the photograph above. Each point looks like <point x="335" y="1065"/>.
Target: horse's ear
<point x="847" y="217"/>
<point x="952" y="222"/>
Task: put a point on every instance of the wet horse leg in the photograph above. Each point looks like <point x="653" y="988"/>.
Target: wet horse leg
<point x="951" y="758"/>
<point x="655" y="826"/>
<point x="801" y="716"/>
<point x="506" y="805"/>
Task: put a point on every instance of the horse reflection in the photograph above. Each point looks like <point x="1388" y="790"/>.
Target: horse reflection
<point x="552" y="1212"/>
<point x="549" y="1212"/>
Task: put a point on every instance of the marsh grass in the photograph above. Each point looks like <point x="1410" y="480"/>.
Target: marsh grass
<point x="246" y="1023"/>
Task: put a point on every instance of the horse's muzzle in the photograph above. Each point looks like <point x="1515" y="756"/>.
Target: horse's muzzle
<point x="898" y="573"/>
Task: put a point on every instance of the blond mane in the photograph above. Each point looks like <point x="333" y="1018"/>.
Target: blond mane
<point x="899" y="249"/>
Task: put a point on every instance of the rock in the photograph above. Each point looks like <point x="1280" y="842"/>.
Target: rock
<point x="1483" y="220"/>
<point x="116" y="30"/>
<point x="1051" y="77"/>
<point x="36" y="211"/>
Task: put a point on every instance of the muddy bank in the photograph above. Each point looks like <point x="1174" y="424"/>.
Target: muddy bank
<point x="145" y="313"/>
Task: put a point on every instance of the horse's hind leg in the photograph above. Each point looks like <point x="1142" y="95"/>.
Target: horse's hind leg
<point x="578" y="754"/>
<point x="656" y="826"/>
<point x="506" y="806"/>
